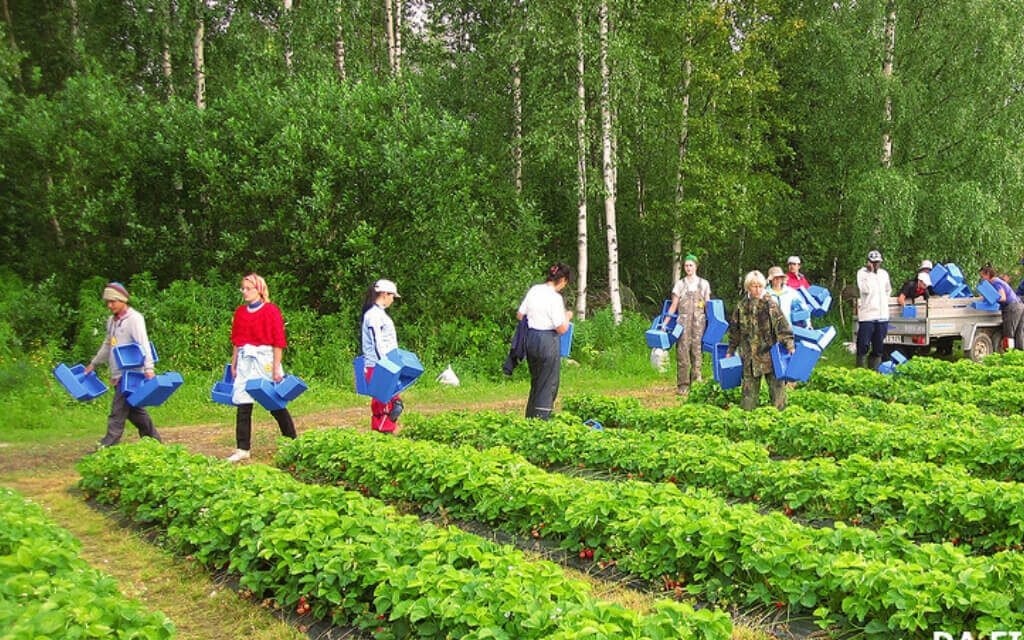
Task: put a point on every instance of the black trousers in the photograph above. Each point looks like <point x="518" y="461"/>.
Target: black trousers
<point x="871" y="334"/>
<point x="543" y="356"/>
<point x="243" y="425"/>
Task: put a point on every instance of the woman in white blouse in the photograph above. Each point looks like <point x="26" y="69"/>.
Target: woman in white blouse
<point x="547" y="319"/>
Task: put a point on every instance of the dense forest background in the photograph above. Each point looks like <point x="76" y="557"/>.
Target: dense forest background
<point x="458" y="146"/>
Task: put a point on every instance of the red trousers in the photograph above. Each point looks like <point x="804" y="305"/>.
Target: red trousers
<point x="380" y="420"/>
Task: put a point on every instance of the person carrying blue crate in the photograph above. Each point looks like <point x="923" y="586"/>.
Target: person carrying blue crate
<point x="257" y="333"/>
<point x="689" y="297"/>
<point x="782" y="293"/>
<point x="1010" y="305"/>
<point x="546" y="319"/>
<point x="872" y="310"/>
<point x="125" y="325"/>
<point x="757" y="324"/>
<point x="379" y="338"/>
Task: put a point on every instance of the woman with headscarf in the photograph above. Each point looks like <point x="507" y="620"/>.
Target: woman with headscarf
<point x="257" y="333"/>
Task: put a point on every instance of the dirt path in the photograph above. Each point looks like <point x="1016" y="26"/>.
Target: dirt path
<point x="217" y="439"/>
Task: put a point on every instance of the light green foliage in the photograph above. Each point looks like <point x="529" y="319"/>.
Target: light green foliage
<point x="48" y="591"/>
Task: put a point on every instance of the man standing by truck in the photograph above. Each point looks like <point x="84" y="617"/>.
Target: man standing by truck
<point x="872" y="310"/>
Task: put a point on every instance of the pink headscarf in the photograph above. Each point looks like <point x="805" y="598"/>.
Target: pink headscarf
<point x="260" y="284"/>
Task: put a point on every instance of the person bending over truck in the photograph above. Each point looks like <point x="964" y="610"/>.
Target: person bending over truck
<point x="914" y="288"/>
<point x="1011" y="307"/>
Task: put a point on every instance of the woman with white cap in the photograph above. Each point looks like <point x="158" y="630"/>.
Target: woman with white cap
<point x="379" y="339"/>
<point x="795" y="279"/>
<point x="257" y="333"/>
<point x="872" y="309"/>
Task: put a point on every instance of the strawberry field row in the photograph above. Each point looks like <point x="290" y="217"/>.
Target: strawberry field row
<point x="1004" y="396"/>
<point x="932" y="370"/>
<point x="830" y="424"/>
<point x="847" y="576"/>
<point x="931" y="502"/>
<point x="48" y="591"/>
<point x="353" y="560"/>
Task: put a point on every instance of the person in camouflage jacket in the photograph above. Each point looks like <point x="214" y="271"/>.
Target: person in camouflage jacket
<point x="757" y="324"/>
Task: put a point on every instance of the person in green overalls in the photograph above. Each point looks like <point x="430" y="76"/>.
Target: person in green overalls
<point x="689" y="297"/>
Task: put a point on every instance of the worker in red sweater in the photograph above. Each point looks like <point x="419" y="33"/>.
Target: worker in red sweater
<point x="257" y="332"/>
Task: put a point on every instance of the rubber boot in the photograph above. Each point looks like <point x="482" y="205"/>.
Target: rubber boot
<point x="874" y="362"/>
<point x="860" y="360"/>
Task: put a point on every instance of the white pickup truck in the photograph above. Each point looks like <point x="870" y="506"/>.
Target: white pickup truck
<point x="941" y="321"/>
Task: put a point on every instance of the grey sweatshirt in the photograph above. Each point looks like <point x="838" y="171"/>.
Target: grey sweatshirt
<point x="130" y="328"/>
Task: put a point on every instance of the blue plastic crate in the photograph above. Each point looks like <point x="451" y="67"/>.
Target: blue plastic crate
<point x="822" y="298"/>
<point x="717" y="325"/>
<point x="795" y="367"/>
<point x="82" y="387"/>
<point x="730" y="372"/>
<point x="887" y="368"/>
<point x="130" y="356"/>
<point x="395" y="372"/>
<point x="987" y="291"/>
<point x="290" y="387"/>
<point x="564" y="344"/>
<point x="156" y="390"/>
<point x="897" y="357"/>
<point x="224" y="389"/>
<point x="130" y="381"/>
<point x="359" y="371"/>
<point x="909" y="311"/>
<point x="595" y="425"/>
<point x="799" y="313"/>
<point x="962" y="290"/>
<point x="985" y="306"/>
<point x="718" y="352"/>
<point x="263" y="392"/>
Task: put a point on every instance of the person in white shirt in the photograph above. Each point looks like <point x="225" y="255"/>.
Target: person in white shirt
<point x="689" y="296"/>
<point x="872" y="310"/>
<point x="547" y="319"/>
<point x="379" y="339"/>
<point x="782" y="293"/>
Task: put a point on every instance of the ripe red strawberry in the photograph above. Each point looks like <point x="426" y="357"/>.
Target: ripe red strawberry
<point x="779" y="605"/>
<point x="583" y="555"/>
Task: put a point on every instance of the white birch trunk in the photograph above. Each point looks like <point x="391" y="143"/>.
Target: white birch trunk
<point x="390" y="29"/>
<point x="165" y="62"/>
<point x="684" y="137"/>
<point x="339" y="45"/>
<point x="399" y="16"/>
<point x="608" y="165"/>
<point x="581" y="171"/>
<point x="887" y="65"/>
<point x="287" y="9"/>
<point x="517" y="101"/>
<point x="198" y="60"/>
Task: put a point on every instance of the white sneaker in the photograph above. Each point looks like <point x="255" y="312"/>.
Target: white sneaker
<point x="239" y="454"/>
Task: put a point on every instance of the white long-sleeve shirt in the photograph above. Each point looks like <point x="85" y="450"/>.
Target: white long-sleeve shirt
<point x="875" y="290"/>
<point x="130" y="327"/>
<point x="379" y="336"/>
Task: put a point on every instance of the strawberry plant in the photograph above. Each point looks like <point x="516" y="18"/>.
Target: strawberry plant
<point x="355" y="560"/>
<point x="852" y="575"/>
<point x="48" y="591"/>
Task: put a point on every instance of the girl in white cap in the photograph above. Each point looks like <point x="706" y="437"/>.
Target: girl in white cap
<point x="379" y="339"/>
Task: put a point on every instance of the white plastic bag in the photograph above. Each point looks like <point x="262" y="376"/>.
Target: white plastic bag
<point x="659" y="359"/>
<point x="448" y="377"/>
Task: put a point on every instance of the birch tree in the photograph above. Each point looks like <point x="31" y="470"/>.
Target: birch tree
<point x="339" y="42"/>
<point x="199" y="58"/>
<point x="581" y="168"/>
<point x="608" y="167"/>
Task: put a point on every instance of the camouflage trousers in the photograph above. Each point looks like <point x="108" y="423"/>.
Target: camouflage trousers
<point x="752" y="392"/>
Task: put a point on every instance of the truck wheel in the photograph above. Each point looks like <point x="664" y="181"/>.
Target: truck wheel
<point x="982" y="346"/>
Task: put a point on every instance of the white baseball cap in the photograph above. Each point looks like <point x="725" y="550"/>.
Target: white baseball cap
<point x="925" y="279"/>
<point x="926" y="264"/>
<point x="793" y="260"/>
<point x="386" y="286"/>
<point x="874" y="256"/>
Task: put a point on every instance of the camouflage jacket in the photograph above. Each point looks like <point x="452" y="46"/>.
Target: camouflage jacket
<point x="756" y="325"/>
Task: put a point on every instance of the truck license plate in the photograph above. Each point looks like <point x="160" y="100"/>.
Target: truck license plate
<point x="893" y="339"/>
